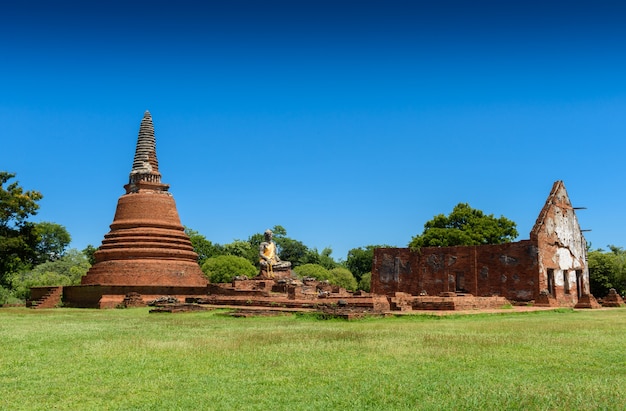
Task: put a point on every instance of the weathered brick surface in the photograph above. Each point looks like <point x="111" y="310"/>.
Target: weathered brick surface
<point x="109" y="296"/>
<point x="505" y="269"/>
<point x="147" y="245"/>
<point x="613" y="299"/>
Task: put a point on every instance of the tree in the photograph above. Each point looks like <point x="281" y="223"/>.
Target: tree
<point x="324" y="259"/>
<point x="90" y="252"/>
<point x="53" y="239"/>
<point x="18" y="237"/>
<point x="203" y="247"/>
<point x="465" y="226"/>
<point x="607" y="270"/>
<point x="359" y="260"/>
<point x="242" y="248"/>
<point x="293" y="250"/>
<point x="223" y="268"/>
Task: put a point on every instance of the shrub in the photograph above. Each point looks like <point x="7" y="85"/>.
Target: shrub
<point x="67" y="270"/>
<point x="343" y="277"/>
<point x="8" y="297"/>
<point x="312" y="270"/>
<point x="223" y="268"/>
<point x="365" y="283"/>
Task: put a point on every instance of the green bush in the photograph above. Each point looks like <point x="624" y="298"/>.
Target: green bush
<point x="343" y="278"/>
<point x="366" y="282"/>
<point x="223" y="268"/>
<point x="337" y="276"/>
<point x="67" y="270"/>
<point x="8" y="297"/>
<point x="312" y="270"/>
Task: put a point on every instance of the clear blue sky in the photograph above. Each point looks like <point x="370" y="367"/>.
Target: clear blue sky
<point x="347" y="122"/>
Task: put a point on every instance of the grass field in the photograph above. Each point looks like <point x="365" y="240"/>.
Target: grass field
<point x="68" y="359"/>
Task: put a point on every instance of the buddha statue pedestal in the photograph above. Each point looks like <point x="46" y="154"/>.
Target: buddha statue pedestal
<point x="274" y="274"/>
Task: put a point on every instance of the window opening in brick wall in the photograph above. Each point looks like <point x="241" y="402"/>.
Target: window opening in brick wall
<point x="579" y="283"/>
<point x="566" y="281"/>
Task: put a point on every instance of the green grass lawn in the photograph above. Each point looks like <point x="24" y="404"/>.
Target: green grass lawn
<point x="69" y="359"/>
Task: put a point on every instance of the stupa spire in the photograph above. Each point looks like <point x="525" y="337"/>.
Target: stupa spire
<point x="145" y="172"/>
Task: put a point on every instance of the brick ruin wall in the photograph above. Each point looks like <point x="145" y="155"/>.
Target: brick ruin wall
<point x="108" y="296"/>
<point x="508" y="270"/>
<point x="563" y="250"/>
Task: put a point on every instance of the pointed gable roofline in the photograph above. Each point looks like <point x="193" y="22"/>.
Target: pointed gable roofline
<point x="551" y="201"/>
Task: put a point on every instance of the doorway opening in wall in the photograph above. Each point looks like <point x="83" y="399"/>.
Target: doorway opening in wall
<point x="460" y="283"/>
<point x="551" y="282"/>
<point x="566" y="281"/>
<point x="579" y="283"/>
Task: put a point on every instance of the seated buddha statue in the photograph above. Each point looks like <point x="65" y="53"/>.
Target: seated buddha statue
<point x="268" y="257"/>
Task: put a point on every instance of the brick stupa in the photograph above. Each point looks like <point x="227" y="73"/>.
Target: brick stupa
<point x="147" y="245"/>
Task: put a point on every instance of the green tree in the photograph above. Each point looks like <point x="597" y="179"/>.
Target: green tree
<point x="223" y="268"/>
<point x="607" y="269"/>
<point x="18" y="237"/>
<point x="293" y="250"/>
<point x="53" y="239"/>
<point x="242" y="248"/>
<point x="203" y="247"/>
<point x="324" y="258"/>
<point x="90" y="252"/>
<point x="465" y="226"/>
<point x="359" y="260"/>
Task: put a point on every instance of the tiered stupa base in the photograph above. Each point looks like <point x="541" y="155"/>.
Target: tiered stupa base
<point x="146" y="272"/>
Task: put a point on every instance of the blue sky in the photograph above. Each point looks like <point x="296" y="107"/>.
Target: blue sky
<point x="348" y="123"/>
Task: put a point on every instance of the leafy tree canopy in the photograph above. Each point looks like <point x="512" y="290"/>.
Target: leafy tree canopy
<point x="465" y="226"/>
<point x="89" y="252"/>
<point x="203" y="247"/>
<point x="53" y="239"/>
<point x="607" y="269"/>
<point x="18" y="237"/>
<point x="359" y="260"/>
<point x="16" y="205"/>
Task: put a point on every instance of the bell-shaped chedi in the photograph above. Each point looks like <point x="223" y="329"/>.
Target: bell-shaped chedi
<point x="147" y="244"/>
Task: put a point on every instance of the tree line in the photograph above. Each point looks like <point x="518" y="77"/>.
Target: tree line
<point x="37" y="254"/>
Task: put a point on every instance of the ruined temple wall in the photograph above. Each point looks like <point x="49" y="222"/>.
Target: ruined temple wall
<point x="508" y="270"/>
<point x="562" y="249"/>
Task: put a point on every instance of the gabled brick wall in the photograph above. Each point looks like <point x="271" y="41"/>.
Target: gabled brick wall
<point x="553" y="260"/>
